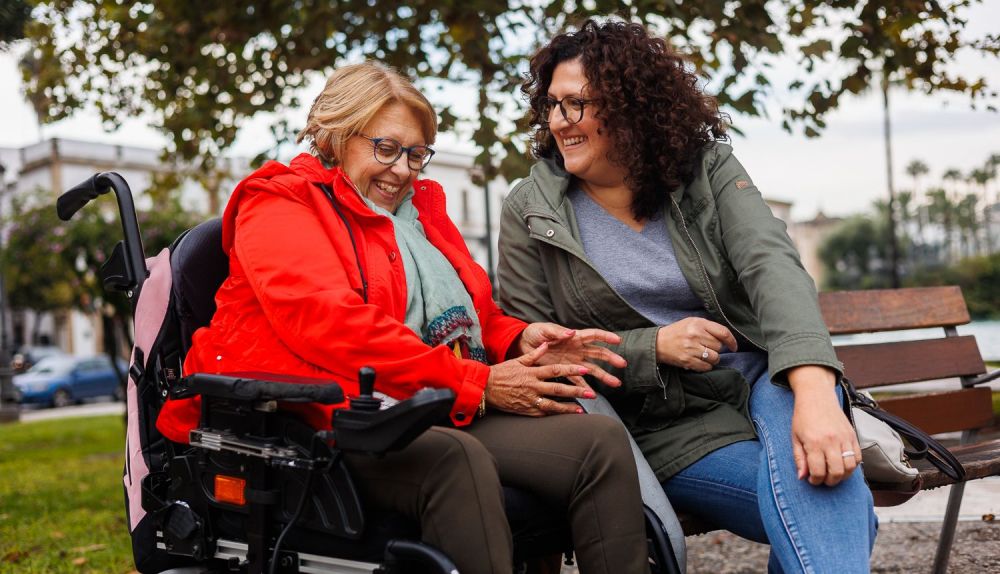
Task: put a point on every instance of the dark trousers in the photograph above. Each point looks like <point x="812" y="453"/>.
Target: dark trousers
<point x="450" y="480"/>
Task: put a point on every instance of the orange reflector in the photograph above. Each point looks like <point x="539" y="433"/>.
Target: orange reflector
<point x="230" y="489"/>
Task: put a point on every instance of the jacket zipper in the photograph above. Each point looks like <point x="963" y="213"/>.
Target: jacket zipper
<point x="543" y="239"/>
<point x="704" y="273"/>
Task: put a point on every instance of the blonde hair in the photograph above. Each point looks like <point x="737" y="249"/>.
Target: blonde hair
<point x="352" y="97"/>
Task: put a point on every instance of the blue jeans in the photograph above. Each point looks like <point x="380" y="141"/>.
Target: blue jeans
<point x="751" y="489"/>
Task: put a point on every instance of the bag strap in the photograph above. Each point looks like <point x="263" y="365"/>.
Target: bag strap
<point x="925" y="446"/>
<point x="921" y="444"/>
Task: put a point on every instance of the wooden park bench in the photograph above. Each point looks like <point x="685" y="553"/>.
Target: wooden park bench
<point x="968" y="408"/>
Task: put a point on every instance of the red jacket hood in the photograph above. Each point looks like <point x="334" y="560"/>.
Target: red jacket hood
<point x="428" y="196"/>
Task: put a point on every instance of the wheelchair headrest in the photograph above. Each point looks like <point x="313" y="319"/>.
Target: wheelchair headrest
<point x="199" y="266"/>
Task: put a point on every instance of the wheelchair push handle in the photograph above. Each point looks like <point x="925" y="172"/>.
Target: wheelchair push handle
<point x="132" y="268"/>
<point x="77" y="197"/>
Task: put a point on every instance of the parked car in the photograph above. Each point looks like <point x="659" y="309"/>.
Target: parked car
<point x="61" y="380"/>
<point x="27" y="356"/>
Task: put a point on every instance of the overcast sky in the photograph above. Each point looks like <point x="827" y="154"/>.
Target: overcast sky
<point x="841" y="172"/>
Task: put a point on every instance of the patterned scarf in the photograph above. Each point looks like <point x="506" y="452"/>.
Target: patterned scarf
<point x="438" y="307"/>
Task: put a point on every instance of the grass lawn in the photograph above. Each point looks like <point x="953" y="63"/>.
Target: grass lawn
<point x="61" y="501"/>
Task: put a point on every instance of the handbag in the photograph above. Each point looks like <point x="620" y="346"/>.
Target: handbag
<point x="888" y="444"/>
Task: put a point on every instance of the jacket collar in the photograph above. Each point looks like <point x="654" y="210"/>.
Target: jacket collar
<point x="553" y="183"/>
<point x="312" y="169"/>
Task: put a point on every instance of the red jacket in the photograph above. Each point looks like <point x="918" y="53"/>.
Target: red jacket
<point x="293" y="300"/>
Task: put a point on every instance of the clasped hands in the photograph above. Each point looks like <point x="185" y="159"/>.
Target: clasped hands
<point x="524" y="385"/>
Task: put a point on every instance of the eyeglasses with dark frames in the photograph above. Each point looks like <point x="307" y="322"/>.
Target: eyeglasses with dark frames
<point x="571" y="108"/>
<point x="387" y="152"/>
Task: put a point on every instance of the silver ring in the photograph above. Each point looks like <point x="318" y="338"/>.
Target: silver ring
<point x="538" y="402"/>
<point x="848" y="453"/>
<point x="704" y="354"/>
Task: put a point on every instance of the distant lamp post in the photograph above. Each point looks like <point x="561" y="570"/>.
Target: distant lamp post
<point x="9" y="410"/>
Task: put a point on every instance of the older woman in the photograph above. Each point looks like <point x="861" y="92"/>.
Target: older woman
<point x="342" y="259"/>
<point x="638" y="220"/>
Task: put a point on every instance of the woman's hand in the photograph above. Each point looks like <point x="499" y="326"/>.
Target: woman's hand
<point x="571" y="346"/>
<point x="693" y="343"/>
<point x="824" y="443"/>
<point x="522" y="386"/>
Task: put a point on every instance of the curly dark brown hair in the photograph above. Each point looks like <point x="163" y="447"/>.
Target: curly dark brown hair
<point x="648" y="102"/>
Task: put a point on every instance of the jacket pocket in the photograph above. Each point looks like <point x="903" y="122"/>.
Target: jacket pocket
<point x="695" y="394"/>
<point x="718" y="386"/>
<point x="660" y="406"/>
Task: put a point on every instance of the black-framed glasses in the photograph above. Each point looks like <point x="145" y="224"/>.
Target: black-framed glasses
<point x="571" y="108"/>
<point x="387" y="152"/>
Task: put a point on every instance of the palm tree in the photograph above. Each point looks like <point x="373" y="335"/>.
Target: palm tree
<point x="968" y="223"/>
<point x="917" y="169"/>
<point x="982" y="176"/>
<point x="991" y="167"/>
<point x="905" y="219"/>
<point x="993" y="161"/>
<point x="941" y="210"/>
<point x="953" y="175"/>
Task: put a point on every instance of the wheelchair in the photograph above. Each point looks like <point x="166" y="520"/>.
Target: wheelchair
<point x="257" y="490"/>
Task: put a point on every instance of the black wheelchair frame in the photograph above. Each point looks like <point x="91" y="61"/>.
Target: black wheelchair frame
<point x="257" y="490"/>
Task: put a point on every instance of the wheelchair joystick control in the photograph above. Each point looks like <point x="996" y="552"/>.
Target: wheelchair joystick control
<point x="366" y="402"/>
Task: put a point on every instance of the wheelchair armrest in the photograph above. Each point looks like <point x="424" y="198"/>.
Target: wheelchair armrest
<point x="380" y="431"/>
<point x="259" y="387"/>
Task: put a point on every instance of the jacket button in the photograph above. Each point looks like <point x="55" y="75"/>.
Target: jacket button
<point x="459" y="417"/>
<point x="423" y="188"/>
<point x="549" y="233"/>
<point x="392" y="256"/>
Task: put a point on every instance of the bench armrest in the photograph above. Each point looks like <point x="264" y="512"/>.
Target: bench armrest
<point x="259" y="387"/>
<point x="985" y="378"/>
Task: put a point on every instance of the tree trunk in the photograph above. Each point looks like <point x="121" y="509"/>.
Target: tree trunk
<point x="893" y="245"/>
<point x="111" y="346"/>
<point x="123" y="325"/>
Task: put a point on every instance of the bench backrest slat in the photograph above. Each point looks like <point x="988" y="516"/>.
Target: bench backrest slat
<point x="944" y="412"/>
<point x="847" y="312"/>
<point x="911" y="361"/>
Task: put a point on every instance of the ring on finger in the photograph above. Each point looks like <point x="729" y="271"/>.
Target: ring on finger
<point x="704" y="354"/>
<point x="848" y="454"/>
<point x="538" y="402"/>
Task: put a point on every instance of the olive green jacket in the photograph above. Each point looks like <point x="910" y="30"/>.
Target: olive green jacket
<point x="738" y="260"/>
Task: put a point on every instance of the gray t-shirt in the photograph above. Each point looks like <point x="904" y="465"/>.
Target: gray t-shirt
<point x="642" y="268"/>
